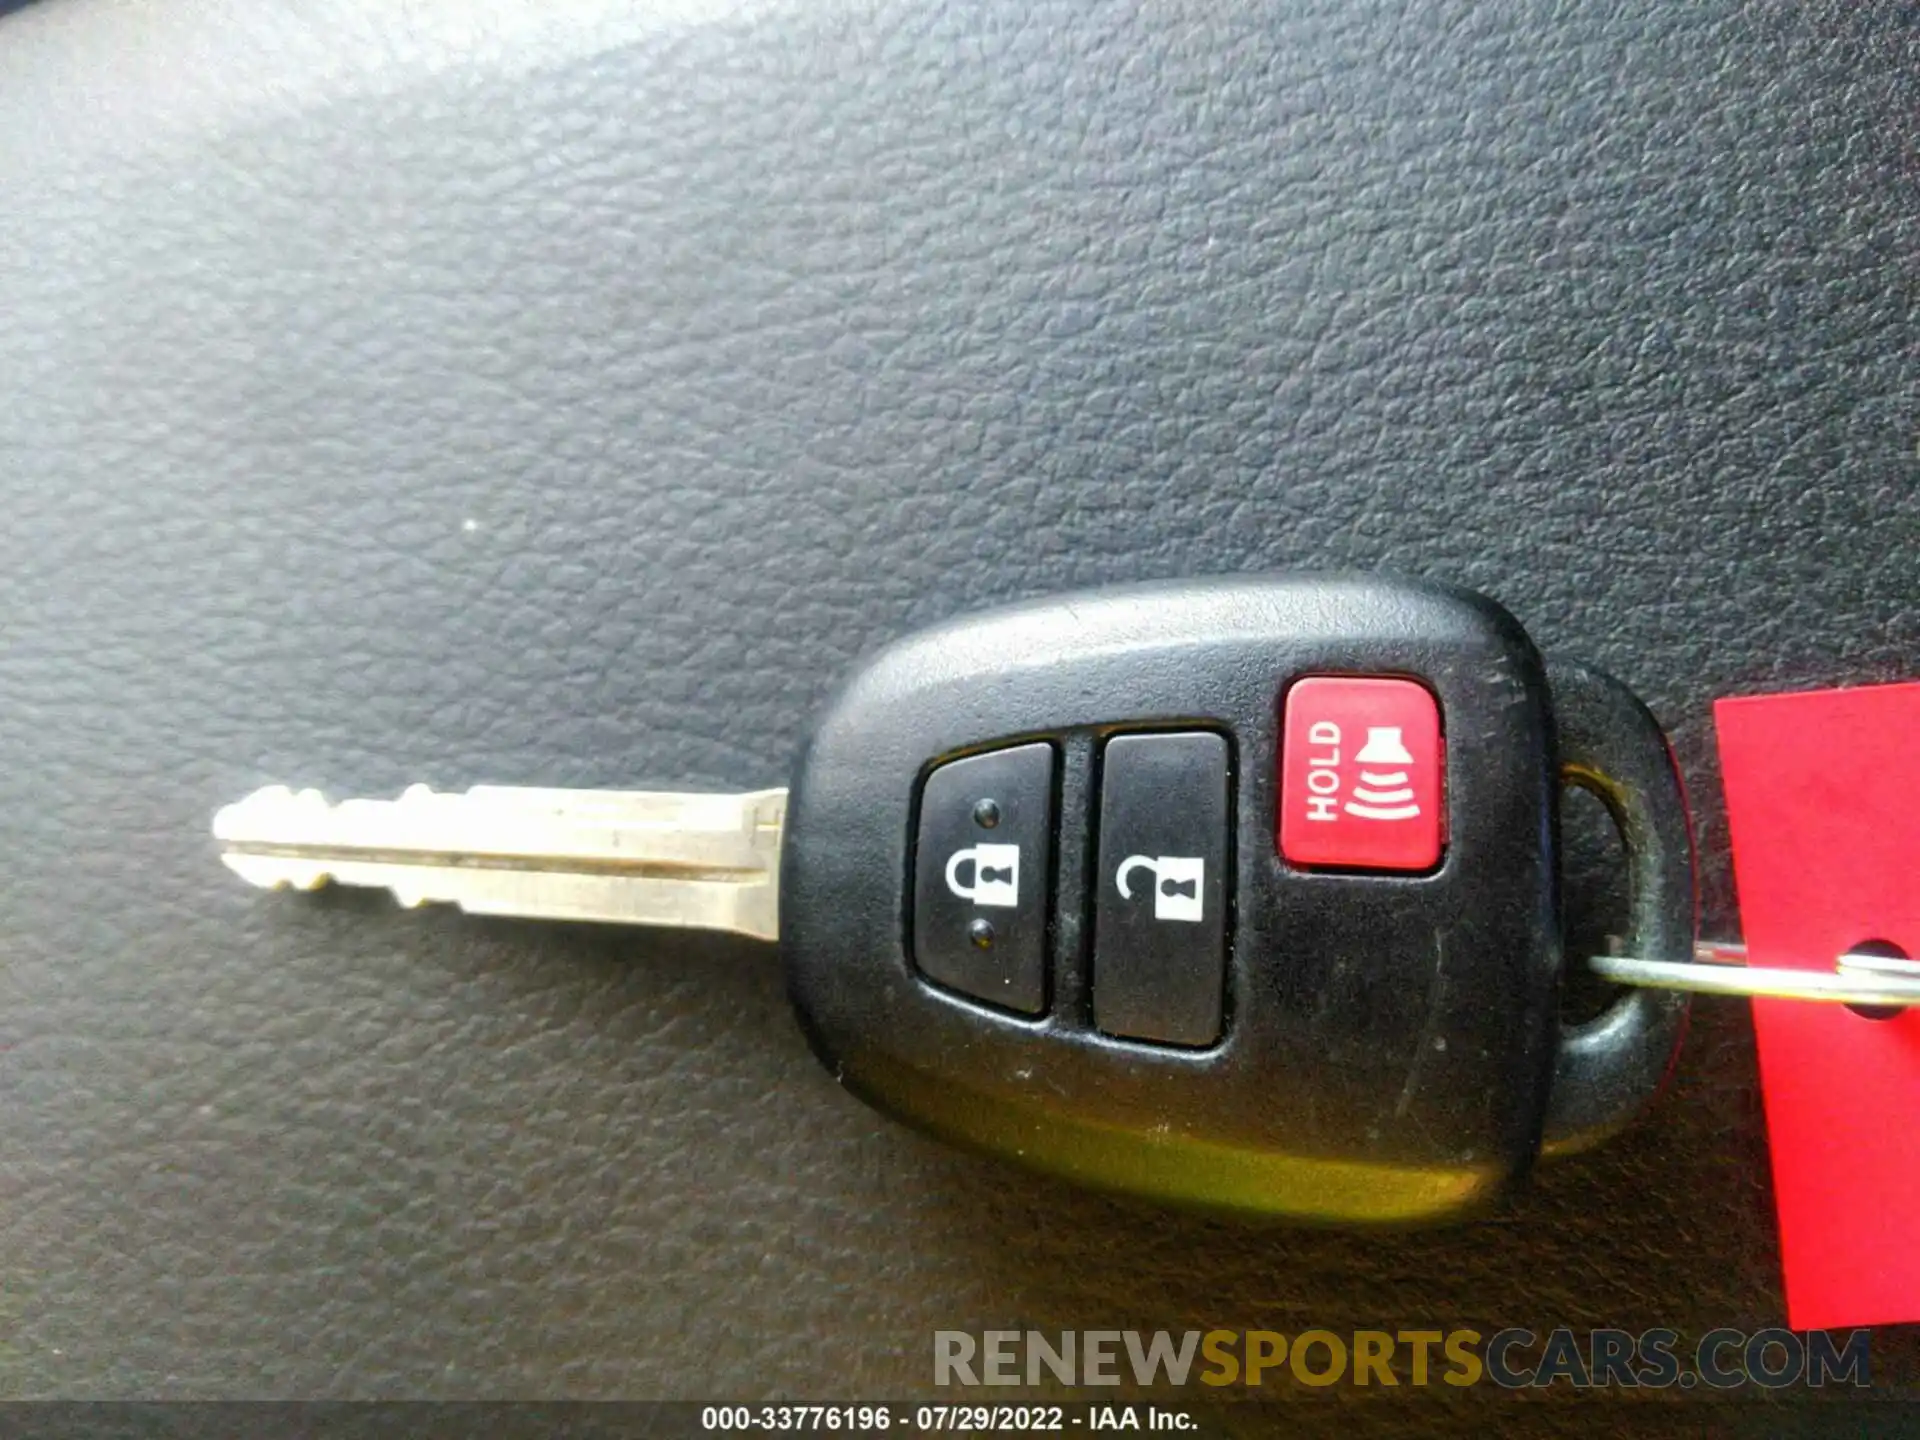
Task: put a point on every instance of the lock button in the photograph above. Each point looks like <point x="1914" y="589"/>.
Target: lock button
<point x="981" y="872"/>
<point x="1160" y="925"/>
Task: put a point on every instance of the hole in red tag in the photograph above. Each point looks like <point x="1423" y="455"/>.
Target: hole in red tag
<point x="1883" y="950"/>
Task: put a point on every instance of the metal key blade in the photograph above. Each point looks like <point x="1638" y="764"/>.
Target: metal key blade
<point x="635" y="857"/>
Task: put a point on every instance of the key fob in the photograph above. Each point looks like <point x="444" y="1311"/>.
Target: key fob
<point x="1240" y="894"/>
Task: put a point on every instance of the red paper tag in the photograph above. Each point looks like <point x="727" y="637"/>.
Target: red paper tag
<point x="1823" y="802"/>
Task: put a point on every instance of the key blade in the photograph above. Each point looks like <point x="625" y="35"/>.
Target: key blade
<point x="636" y="857"/>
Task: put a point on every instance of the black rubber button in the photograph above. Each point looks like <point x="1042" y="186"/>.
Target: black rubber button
<point x="982" y="868"/>
<point x="1159" y="958"/>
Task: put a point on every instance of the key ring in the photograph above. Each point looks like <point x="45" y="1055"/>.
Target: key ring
<point x="1720" y="968"/>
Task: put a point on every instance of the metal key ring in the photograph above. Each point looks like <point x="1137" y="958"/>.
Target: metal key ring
<point x="1720" y="969"/>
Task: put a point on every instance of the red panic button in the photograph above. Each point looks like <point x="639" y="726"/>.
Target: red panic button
<point x="1361" y="778"/>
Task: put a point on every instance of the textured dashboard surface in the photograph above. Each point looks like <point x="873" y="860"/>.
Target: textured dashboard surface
<point x="566" y="394"/>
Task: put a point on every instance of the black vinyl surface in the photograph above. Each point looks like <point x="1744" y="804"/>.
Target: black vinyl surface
<point x="567" y="395"/>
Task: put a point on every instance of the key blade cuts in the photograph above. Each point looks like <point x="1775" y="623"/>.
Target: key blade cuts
<point x="618" y="857"/>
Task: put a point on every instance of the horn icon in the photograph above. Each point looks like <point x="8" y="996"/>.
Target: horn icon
<point x="1383" y="794"/>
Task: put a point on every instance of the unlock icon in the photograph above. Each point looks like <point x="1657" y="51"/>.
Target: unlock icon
<point x="1176" y="884"/>
<point x="996" y="874"/>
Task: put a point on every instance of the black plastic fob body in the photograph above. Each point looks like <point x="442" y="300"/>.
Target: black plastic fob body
<point x="1239" y="893"/>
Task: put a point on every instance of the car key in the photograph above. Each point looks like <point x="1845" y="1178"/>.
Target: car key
<point x="1238" y="893"/>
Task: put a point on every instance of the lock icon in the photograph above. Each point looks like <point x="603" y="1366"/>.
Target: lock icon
<point x="996" y="874"/>
<point x="1177" y="882"/>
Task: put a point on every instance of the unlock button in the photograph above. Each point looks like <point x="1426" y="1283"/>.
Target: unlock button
<point x="984" y="856"/>
<point x="1159" y="944"/>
